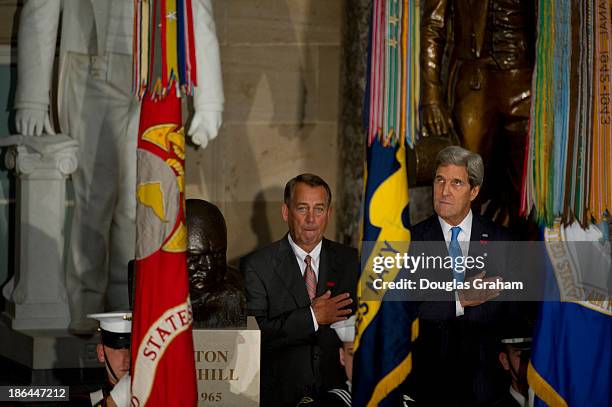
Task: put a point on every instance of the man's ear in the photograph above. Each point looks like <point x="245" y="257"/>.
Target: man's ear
<point x="341" y="351"/>
<point x="503" y="359"/>
<point x="285" y="212"/>
<point x="100" y="352"/>
<point x="474" y="192"/>
<point x="329" y="212"/>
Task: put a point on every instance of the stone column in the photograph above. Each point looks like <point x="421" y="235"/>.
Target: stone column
<point x="351" y="143"/>
<point x="41" y="165"/>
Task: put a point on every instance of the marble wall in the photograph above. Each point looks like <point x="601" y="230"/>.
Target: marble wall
<point x="281" y="70"/>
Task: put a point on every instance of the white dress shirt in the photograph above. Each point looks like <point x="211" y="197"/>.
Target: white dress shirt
<point x="520" y="398"/>
<point x="464" y="242"/>
<point x="315" y="257"/>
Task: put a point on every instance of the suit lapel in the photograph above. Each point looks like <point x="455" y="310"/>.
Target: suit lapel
<point x="433" y="234"/>
<point x="289" y="273"/>
<point x="477" y="237"/>
<point x="434" y="244"/>
<point x="327" y="269"/>
<point x="480" y="233"/>
<point x="434" y="231"/>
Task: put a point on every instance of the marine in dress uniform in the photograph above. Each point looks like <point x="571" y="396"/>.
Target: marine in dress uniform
<point x="114" y="351"/>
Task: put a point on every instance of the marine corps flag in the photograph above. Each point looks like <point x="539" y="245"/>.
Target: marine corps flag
<point x="162" y="366"/>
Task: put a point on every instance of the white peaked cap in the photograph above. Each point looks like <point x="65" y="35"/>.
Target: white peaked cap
<point x="345" y="329"/>
<point x="119" y="322"/>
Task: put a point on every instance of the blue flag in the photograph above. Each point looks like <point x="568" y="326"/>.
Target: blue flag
<point x="386" y="330"/>
<point x="571" y="361"/>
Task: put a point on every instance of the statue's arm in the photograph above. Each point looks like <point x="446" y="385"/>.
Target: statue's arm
<point x="37" y="35"/>
<point x="208" y="96"/>
<point x="433" y="41"/>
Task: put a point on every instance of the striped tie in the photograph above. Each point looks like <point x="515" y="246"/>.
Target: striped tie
<point x="310" y="278"/>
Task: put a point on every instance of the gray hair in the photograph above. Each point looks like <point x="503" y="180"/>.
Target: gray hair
<point x="311" y="180"/>
<point x="455" y="155"/>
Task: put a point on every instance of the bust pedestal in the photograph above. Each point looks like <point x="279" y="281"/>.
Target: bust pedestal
<point x="227" y="365"/>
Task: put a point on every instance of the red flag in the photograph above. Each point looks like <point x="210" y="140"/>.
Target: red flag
<point x="163" y="368"/>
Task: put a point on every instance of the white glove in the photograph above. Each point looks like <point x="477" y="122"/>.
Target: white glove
<point x="122" y="393"/>
<point x="204" y="127"/>
<point x="33" y="122"/>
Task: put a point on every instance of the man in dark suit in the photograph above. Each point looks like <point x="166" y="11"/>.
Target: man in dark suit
<point x="296" y="287"/>
<point x="457" y="345"/>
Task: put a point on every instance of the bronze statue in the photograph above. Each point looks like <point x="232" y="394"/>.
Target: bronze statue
<point x="485" y="93"/>
<point x="216" y="289"/>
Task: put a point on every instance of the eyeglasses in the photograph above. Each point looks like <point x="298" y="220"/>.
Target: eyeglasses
<point x="455" y="183"/>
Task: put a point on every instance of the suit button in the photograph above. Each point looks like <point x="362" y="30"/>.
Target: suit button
<point x="315" y="356"/>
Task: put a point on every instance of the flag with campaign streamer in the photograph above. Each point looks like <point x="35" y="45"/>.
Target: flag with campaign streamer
<point x="568" y="164"/>
<point x="391" y="107"/>
<point x="164" y="48"/>
<point x="571" y="361"/>
<point x="386" y="330"/>
<point x="162" y="365"/>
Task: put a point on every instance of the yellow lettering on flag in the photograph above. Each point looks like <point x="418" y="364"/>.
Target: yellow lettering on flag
<point x="386" y="207"/>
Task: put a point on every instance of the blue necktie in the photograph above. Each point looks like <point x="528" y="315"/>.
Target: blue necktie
<point x="454" y="250"/>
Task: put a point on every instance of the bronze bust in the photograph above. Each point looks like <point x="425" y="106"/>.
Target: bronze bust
<point x="216" y="289"/>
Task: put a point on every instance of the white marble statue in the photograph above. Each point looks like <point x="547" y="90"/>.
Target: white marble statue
<point x="95" y="106"/>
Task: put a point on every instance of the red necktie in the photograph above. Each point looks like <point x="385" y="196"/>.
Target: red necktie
<point x="310" y="278"/>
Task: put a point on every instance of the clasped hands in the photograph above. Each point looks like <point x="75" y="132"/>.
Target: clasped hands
<point x="328" y="309"/>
